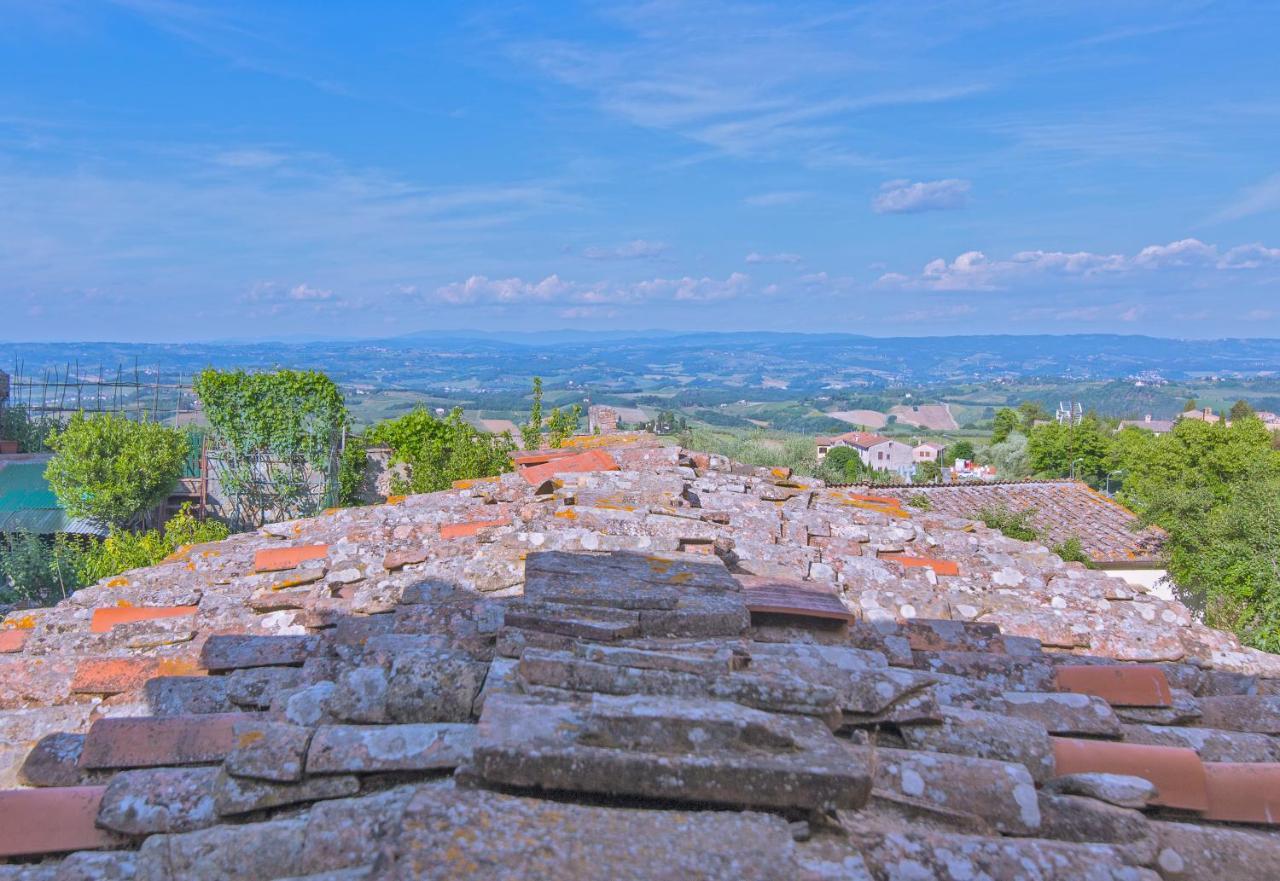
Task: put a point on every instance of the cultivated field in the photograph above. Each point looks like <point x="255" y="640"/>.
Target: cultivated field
<point x="936" y="417"/>
<point x="865" y="418"/>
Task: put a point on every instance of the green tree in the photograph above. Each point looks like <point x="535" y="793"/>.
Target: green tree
<point x="1082" y="450"/>
<point x="961" y="449"/>
<point x="842" y="465"/>
<point x="562" y="425"/>
<point x="1190" y="405"/>
<point x="112" y="470"/>
<point x="1010" y="457"/>
<point x="1241" y="410"/>
<point x="440" y="451"/>
<point x="531" y="431"/>
<point x="927" y="472"/>
<point x="1031" y="412"/>
<point x="1225" y="559"/>
<point x="1005" y="422"/>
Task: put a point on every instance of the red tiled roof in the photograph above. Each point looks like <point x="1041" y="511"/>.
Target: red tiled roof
<point x="1062" y="509"/>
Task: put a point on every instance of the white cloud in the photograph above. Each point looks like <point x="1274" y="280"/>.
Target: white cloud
<point x="273" y="298"/>
<point x="756" y="257"/>
<point x="554" y="290"/>
<point x="637" y="249"/>
<point x="305" y="291"/>
<point x="973" y="271"/>
<point x="906" y="197"/>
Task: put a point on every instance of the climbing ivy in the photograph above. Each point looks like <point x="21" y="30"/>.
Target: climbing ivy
<point x="287" y="413"/>
<point x="277" y="439"/>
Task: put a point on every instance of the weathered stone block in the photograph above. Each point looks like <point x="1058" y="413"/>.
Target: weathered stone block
<point x="371" y="748"/>
<point x="240" y="795"/>
<point x="54" y="761"/>
<point x="614" y="843"/>
<point x="269" y="750"/>
<point x="433" y="687"/>
<point x="962" y="857"/>
<point x="159" y="800"/>
<point x="1062" y="713"/>
<point x="1000" y="793"/>
<point x="146" y="742"/>
<point x="258" y="686"/>
<point x="187" y="695"/>
<point x="236" y="652"/>
<point x="988" y="736"/>
<point x="667" y="748"/>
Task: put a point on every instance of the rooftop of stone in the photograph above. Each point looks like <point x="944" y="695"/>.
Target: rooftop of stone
<point x="632" y="662"/>
<point x="1060" y="509"/>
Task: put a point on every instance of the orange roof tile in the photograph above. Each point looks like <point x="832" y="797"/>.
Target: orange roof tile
<point x="1177" y="773"/>
<point x="1124" y="685"/>
<point x="276" y="559"/>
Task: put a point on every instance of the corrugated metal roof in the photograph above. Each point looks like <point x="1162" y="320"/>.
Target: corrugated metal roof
<point x="27" y="504"/>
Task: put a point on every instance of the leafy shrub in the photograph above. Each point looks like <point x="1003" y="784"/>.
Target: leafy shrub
<point x="37" y="570"/>
<point x="112" y="470"/>
<point x="1073" y="552"/>
<point x="121" y="551"/>
<point x="921" y="502"/>
<point x="1014" y="524"/>
<point x="440" y="451"/>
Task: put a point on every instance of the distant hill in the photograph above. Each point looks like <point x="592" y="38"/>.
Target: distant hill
<point x="639" y="361"/>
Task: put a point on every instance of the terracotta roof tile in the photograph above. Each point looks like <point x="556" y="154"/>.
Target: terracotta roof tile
<point x="56" y="820"/>
<point x="579" y="463"/>
<point x="1062" y="509"/>
<point x="941" y="567"/>
<point x="464" y="530"/>
<point x="1177" y="773"/>
<point x="793" y="598"/>
<point x="1125" y="685"/>
<point x="109" y="616"/>
<point x="150" y="741"/>
<point x="590" y="652"/>
<point x="1243" y="793"/>
<point x="277" y="559"/>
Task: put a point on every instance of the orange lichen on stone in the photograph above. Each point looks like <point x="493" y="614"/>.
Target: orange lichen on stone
<point x="473" y="481"/>
<point x="395" y="500"/>
<point x="118" y="581"/>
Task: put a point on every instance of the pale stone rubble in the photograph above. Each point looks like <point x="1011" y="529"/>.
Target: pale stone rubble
<point x="579" y="689"/>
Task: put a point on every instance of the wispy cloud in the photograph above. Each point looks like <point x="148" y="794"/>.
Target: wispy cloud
<point x="777" y="198"/>
<point x="744" y="80"/>
<point x="1261" y="198"/>
<point x="479" y="289"/>
<point x="636" y="249"/>
<point x="906" y="197"/>
<point x="973" y="271"/>
<point x="757" y="257"/>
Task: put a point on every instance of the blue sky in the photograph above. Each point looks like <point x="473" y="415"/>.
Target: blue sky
<point x="181" y="170"/>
